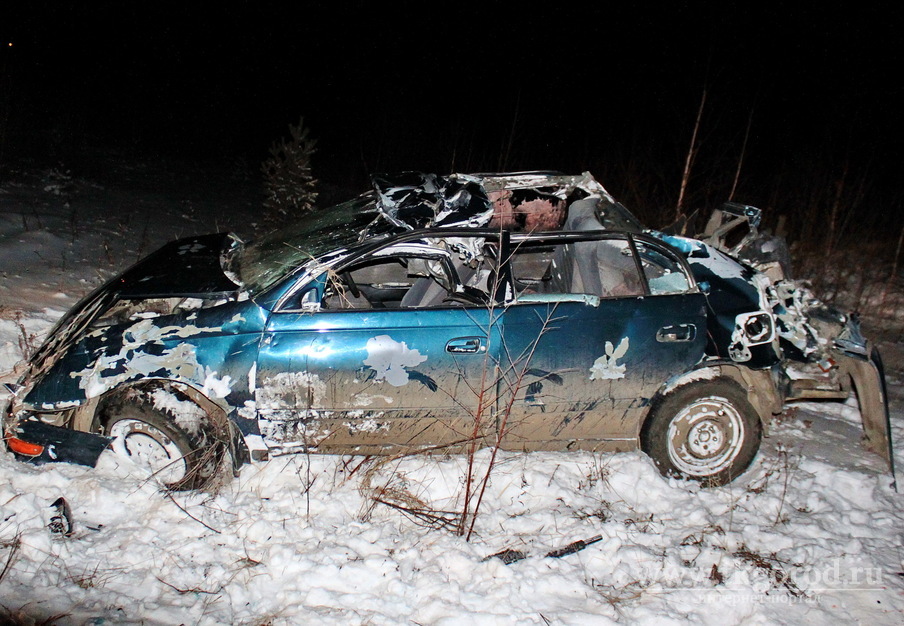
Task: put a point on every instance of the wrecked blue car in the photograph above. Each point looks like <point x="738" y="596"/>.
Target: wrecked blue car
<point x="525" y="311"/>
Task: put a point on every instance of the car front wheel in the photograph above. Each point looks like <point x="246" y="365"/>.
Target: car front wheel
<point x="706" y="431"/>
<point x="178" y="456"/>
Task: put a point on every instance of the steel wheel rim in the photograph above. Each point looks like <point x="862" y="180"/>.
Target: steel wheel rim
<point x="705" y="437"/>
<point x="149" y="447"/>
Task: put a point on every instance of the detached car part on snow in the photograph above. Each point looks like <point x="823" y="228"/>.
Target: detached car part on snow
<point x="529" y="311"/>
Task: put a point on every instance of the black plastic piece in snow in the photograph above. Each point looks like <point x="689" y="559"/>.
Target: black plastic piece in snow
<point x="507" y="556"/>
<point x="61" y="445"/>
<point x="61" y="521"/>
<point x="575" y="546"/>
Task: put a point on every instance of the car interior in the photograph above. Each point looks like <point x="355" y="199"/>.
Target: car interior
<point x="603" y="267"/>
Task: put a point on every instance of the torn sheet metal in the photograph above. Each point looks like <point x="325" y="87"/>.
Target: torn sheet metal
<point x="416" y="200"/>
<point x="521" y="202"/>
<point x="736" y="295"/>
<point x="793" y="304"/>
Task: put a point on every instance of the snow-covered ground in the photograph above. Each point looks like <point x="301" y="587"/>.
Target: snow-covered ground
<point x="813" y="533"/>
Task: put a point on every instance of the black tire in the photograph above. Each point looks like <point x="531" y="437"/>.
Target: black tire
<point x="705" y="431"/>
<point x="180" y="457"/>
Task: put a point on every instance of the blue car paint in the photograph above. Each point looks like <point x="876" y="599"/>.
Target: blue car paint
<point x="558" y="390"/>
<point x="225" y="348"/>
<point x="335" y="350"/>
<point x="730" y="292"/>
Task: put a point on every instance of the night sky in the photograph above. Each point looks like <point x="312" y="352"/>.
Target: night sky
<point x="469" y="86"/>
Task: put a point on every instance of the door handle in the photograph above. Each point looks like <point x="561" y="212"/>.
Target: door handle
<point x="465" y="345"/>
<point x="678" y="333"/>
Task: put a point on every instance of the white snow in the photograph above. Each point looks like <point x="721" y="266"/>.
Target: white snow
<point x="214" y="385"/>
<point x="188" y="415"/>
<point x="704" y="373"/>
<point x="389" y="358"/>
<point x="607" y="366"/>
<point x="811" y="534"/>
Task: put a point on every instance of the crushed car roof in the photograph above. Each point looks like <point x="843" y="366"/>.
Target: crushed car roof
<point x="414" y="200"/>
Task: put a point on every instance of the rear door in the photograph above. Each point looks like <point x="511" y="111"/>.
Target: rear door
<point x="596" y="327"/>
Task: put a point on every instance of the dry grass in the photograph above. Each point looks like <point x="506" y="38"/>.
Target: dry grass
<point x="13" y="546"/>
<point x="770" y="566"/>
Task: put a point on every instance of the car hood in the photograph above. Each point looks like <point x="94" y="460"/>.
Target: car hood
<point x="187" y="268"/>
<point x="184" y="268"/>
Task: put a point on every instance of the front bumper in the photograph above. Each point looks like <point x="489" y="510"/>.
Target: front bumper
<point x="36" y="442"/>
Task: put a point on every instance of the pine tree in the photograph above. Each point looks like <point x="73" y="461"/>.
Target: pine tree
<point x="289" y="184"/>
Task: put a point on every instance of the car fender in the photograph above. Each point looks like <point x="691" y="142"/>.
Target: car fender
<point x="762" y="392"/>
<point x="75" y="439"/>
<point x="217" y="410"/>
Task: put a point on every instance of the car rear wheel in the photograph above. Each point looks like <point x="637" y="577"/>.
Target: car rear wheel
<point x="179" y="457"/>
<point x="706" y="431"/>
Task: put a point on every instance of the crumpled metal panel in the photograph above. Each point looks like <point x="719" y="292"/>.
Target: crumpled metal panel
<point x="416" y="200"/>
<point x="211" y="349"/>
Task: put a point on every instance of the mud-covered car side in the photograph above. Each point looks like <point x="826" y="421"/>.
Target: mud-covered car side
<point x="528" y="311"/>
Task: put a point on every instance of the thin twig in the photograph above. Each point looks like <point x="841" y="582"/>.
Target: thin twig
<point x="836" y="207"/>
<point x="737" y="176"/>
<point x="181" y="508"/>
<point x="507" y="411"/>
<point x="691" y="151"/>
<point x="431" y="518"/>
<point x="13" y="550"/>
<point x="781" y="503"/>
<point x="894" y="271"/>
<point x="192" y="590"/>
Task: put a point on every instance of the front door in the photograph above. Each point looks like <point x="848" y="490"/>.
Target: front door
<point x="400" y="355"/>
